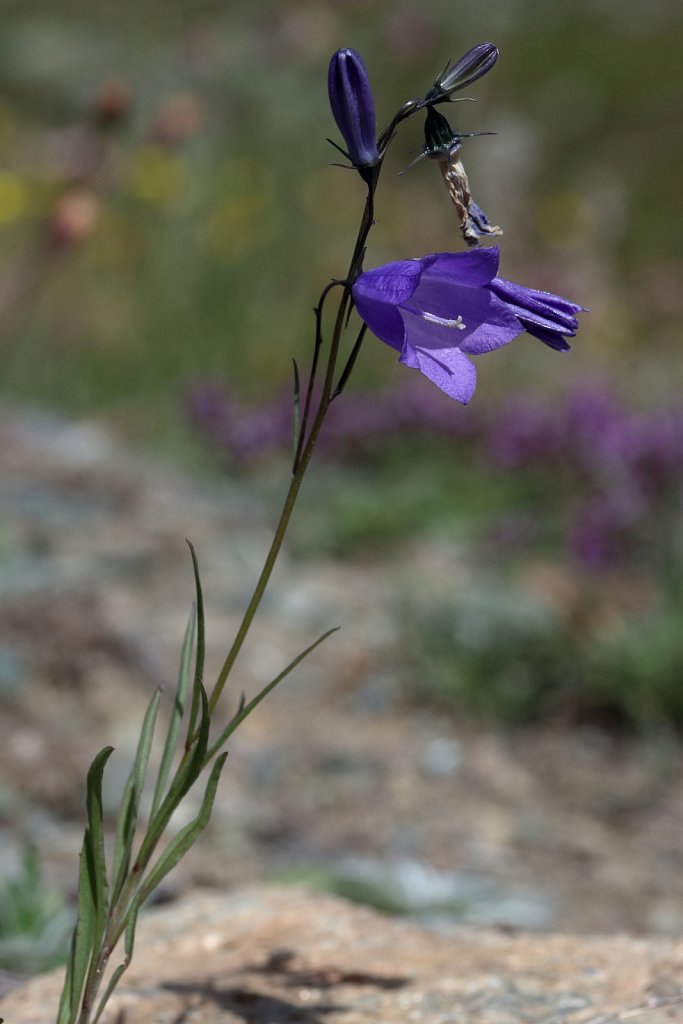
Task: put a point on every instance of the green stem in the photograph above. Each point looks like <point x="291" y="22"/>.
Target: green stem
<point x="287" y="508"/>
<point x="304" y="457"/>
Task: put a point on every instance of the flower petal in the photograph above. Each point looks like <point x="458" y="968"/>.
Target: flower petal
<point x="449" y="369"/>
<point x="544" y="303"/>
<point x="474" y="268"/>
<point x="393" y="282"/>
<point x="442" y="314"/>
<point x="551" y="338"/>
<point x="557" y="324"/>
<point x="377" y="294"/>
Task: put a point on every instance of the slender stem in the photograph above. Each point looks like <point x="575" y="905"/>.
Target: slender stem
<point x="314" y="369"/>
<point x="308" y="444"/>
<point x="350" y="362"/>
<point x="287" y="508"/>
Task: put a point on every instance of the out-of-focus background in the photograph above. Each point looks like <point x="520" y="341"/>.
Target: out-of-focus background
<point x="509" y="686"/>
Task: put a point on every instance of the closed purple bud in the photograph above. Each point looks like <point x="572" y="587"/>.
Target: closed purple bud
<point x="468" y="69"/>
<point x="353" y="106"/>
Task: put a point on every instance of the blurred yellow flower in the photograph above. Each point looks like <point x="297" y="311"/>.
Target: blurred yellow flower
<point x="15" y="198"/>
<point x="243" y="220"/>
<point x="236" y="227"/>
<point x="157" y="176"/>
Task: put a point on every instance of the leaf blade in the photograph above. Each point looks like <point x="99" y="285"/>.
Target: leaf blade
<point x="187" y="836"/>
<point x="200" y="651"/>
<point x="130" y="802"/>
<point x="178" y="710"/>
<point x="246" y="709"/>
<point x="95" y="844"/>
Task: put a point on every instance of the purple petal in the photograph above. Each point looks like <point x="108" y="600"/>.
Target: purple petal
<point x="551" y="338"/>
<point x="555" y="323"/>
<point x="449" y="369"/>
<point x="384" y="321"/>
<point x="475" y="268"/>
<point x="481" y="221"/>
<point x="377" y="294"/>
<point x="534" y="300"/>
<point x="393" y="282"/>
<point x="442" y="314"/>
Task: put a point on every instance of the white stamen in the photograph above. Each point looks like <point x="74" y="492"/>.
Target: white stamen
<point x="458" y="323"/>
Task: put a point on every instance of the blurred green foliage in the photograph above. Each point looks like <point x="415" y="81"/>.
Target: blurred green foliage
<point x="35" y="922"/>
<point x="523" y="660"/>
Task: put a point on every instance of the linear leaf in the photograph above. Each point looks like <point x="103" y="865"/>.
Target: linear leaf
<point x="200" y="651"/>
<point x="197" y="754"/>
<point x="184" y="778"/>
<point x="246" y="709"/>
<point x="179" y="846"/>
<point x="64" y="1012"/>
<point x="130" y="803"/>
<point x="82" y="941"/>
<point x="95" y="841"/>
<point x="128" y="950"/>
<point x="178" y="710"/>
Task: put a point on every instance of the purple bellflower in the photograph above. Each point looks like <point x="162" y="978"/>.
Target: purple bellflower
<point x="353" y="107"/>
<point x="440" y="310"/>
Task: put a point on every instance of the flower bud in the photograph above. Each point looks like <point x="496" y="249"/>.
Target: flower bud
<point x="353" y="106"/>
<point x="468" y="69"/>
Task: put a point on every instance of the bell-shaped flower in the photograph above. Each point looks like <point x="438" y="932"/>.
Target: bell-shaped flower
<point x="440" y="310"/>
<point x="353" y="107"/>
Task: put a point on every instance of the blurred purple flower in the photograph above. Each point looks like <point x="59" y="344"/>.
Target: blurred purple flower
<point x="605" y="526"/>
<point x="353" y="106"/>
<point x="440" y="309"/>
<point x="523" y="432"/>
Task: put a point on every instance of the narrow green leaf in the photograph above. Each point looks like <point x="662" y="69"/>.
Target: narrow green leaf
<point x="64" y="1012"/>
<point x="95" y="842"/>
<point x="178" y="710"/>
<point x="184" y="778"/>
<point x="246" y="709"/>
<point x="201" y="649"/>
<point x="179" y="846"/>
<point x="82" y="941"/>
<point x="128" y="950"/>
<point x="130" y="803"/>
<point x="189" y="772"/>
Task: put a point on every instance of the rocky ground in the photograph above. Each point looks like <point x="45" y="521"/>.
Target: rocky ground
<point x="337" y="778"/>
<point x="274" y="956"/>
